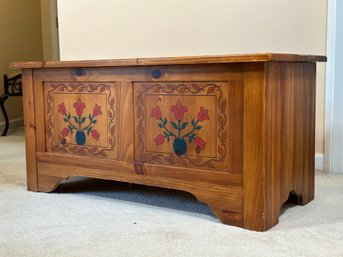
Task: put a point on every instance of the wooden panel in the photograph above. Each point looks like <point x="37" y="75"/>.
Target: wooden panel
<point x="289" y="135"/>
<point x="190" y="175"/>
<point x="253" y="138"/>
<point x="260" y="57"/>
<point x="81" y="118"/>
<point x="305" y="139"/>
<point x="304" y="131"/>
<point x="30" y="130"/>
<point x="214" y="72"/>
<point x="278" y="132"/>
<point x="126" y="123"/>
<point x="235" y="126"/>
<point x="186" y="124"/>
<point x="40" y="119"/>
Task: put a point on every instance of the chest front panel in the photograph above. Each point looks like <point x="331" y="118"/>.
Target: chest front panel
<point x="187" y="124"/>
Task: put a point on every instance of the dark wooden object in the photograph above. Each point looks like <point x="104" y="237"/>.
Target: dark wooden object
<point x="12" y="87"/>
<point x="236" y="131"/>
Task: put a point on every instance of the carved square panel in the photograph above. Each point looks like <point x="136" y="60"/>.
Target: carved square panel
<point x="182" y="124"/>
<point x="81" y="118"/>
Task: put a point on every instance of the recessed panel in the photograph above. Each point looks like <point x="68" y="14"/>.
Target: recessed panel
<point x="81" y="118"/>
<point x="182" y="123"/>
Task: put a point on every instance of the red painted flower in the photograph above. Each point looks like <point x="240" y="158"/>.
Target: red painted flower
<point x="179" y="110"/>
<point x="156" y="113"/>
<point x="159" y="139"/>
<point x="62" y="109"/>
<point x="95" y="134"/>
<point x="65" y="132"/>
<point x="199" y="142"/>
<point x="97" y="110"/>
<point x="203" y="114"/>
<point x="79" y="106"/>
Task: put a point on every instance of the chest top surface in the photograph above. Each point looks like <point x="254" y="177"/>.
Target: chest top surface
<point x="206" y="59"/>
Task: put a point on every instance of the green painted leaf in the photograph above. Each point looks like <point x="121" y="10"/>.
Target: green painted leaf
<point x="193" y="123"/>
<point x="94" y="121"/>
<point x="65" y="119"/>
<point x="184" y="125"/>
<point x="83" y="120"/>
<point x="160" y="125"/>
<point x="68" y="116"/>
<point x="191" y="137"/>
<point x="198" y="127"/>
<point x="174" y="124"/>
<point x="76" y="119"/>
<point x="165" y="121"/>
<point x="166" y="135"/>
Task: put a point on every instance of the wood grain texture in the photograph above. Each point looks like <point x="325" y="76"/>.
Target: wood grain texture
<point x="126" y="123"/>
<point x="30" y="129"/>
<point x="40" y="119"/>
<point x="289" y="135"/>
<point x="190" y="175"/>
<point x="238" y="58"/>
<point x="254" y="115"/>
<point x="279" y="115"/>
<point x="180" y="73"/>
<point x="253" y="150"/>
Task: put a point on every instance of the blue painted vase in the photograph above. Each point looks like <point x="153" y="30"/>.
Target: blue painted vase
<point x="80" y="137"/>
<point x="180" y="146"/>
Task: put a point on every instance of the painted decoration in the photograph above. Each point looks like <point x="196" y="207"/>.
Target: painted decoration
<point x="81" y="118"/>
<point x="182" y="124"/>
<point x="180" y="130"/>
<point x="81" y="125"/>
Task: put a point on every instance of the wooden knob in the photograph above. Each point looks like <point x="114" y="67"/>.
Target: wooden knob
<point x="156" y="73"/>
<point x="80" y="72"/>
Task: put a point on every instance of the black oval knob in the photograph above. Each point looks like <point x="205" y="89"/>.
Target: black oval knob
<point x="156" y="73"/>
<point x="79" y="72"/>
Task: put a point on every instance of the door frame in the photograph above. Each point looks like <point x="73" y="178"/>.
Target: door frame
<point x="330" y="86"/>
<point x="50" y="36"/>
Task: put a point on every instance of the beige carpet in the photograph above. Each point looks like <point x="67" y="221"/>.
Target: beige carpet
<point x="88" y="217"/>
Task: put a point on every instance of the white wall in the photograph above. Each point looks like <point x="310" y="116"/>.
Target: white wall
<point x="104" y="29"/>
<point x="134" y="28"/>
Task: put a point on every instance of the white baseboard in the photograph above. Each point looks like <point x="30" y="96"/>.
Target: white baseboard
<point x="319" y="162"/>
<point x="14" y="123"/>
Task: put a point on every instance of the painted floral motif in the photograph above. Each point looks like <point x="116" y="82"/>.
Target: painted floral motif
<point x="178" y="128"/>
<point x="77" y="123"/>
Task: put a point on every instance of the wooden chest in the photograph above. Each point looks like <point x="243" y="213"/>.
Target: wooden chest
<point x="236" y="131"/>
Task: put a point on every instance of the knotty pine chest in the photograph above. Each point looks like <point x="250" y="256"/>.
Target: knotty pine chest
<point x="236" y="131"/>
